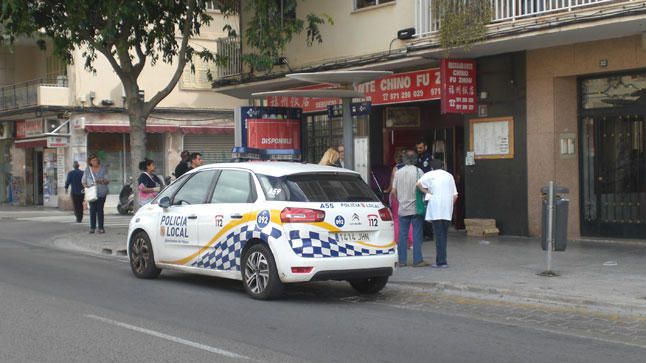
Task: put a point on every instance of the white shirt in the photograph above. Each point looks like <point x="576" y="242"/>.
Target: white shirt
<point x="441" y="190"/>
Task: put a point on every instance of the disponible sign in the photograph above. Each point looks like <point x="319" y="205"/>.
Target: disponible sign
<point x="458" y="86"/>
<point x="414" y="86"/>
<point x="273" y="134"/>
<point x="270" y="128"/>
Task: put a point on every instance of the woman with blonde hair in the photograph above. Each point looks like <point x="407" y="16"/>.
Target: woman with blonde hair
<point x="330" y="157"/>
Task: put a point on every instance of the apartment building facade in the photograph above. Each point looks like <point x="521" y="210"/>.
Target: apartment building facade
<point x="52" y="114"/>
<point x="560" y="95"/>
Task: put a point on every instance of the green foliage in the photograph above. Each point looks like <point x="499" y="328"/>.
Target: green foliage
<point x="272" y="25"/>
<point x="129" y="33"/>
<point x="462" y="22"/>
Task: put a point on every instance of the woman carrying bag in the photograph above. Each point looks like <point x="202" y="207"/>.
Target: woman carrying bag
<point x="96" y="182"/>
<point x="149" y="184"/>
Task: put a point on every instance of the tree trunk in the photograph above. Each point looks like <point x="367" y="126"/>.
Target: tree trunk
<point x="137" y="143"/>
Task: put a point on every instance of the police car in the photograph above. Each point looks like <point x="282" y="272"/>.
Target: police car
<point x="267" y="224"/>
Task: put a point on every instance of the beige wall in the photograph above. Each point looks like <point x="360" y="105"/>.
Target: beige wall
<point x="354" y="33"/>
<point x="552" y="110"/>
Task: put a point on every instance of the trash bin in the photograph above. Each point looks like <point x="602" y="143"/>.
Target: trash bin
<point x="559" y="224"/>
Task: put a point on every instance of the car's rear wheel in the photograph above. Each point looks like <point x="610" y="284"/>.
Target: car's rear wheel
<point x="259" y="273"/>
<point x="371" y="285"/>
<point x="142" y="258"/>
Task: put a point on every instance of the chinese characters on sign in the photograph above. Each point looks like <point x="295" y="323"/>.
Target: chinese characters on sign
<point x="458" y="86"/>
<point x="414" y="86"/>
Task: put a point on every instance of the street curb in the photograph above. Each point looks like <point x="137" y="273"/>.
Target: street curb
<point x="506" y="295"/>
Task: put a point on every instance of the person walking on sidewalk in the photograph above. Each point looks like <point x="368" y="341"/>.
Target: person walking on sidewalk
<point x="441" y="193"/>
<point x="74" y="179"/>
<point x="96" y="174"/>
<point x="404" y="190"/>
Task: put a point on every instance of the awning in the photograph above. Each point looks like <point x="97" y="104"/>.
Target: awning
<point x="214" y="130"/>
<point x="124" y="129"/>
<point x="27" y="143"/>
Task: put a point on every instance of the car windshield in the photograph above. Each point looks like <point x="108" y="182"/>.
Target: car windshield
<point x="317" y="188"/>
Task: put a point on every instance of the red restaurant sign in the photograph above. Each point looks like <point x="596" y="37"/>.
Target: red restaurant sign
<point x="458" y="86"/>
<point x="414" y="86"/>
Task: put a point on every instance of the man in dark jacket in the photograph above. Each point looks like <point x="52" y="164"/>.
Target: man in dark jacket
<point x="184" y="164"/>
<point x="74" y="179"/>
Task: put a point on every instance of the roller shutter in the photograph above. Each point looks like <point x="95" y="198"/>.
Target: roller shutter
<point x="214" y="148"/>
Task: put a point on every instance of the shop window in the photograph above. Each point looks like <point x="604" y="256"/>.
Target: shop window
<point x="360" y="4"/>
<point x="615" y="91"/>
<point x="114" y="152"/>
<point x="322" y="132"/>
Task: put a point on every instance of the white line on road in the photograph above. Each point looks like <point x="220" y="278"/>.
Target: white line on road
<point x="207" y="348"/>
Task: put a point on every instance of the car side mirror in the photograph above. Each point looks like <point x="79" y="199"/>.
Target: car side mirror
<point x="164" y="202"/>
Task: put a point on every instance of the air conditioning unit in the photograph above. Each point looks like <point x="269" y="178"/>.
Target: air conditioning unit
<point x="5" y="130"/>
<point x="51" y="125"/>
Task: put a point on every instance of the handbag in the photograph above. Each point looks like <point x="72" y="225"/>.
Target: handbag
<point x="420" y="206"/>
<point x="91" y="192"/>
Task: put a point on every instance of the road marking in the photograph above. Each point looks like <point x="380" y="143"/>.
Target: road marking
<point x="171" y="338"/>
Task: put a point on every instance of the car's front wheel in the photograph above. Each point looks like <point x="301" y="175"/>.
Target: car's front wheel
<point x="259" y="273"/>
<point x="142" y="259"/>
<point x="371" y="285"/>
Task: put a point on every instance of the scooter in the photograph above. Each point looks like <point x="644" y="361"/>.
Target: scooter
<point x="126" y="199"/>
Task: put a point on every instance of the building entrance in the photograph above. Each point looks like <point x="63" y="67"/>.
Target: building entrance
<point x="613" y="160"/>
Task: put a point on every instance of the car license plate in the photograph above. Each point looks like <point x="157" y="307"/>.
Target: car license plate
<point x="353" y="236"/>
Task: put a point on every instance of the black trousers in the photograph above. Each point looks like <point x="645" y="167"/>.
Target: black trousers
<point x="77" y="200"/>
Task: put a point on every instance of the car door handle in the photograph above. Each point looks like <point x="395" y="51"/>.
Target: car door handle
<point x="192" y="216"/>
<point x="236" y="216"/>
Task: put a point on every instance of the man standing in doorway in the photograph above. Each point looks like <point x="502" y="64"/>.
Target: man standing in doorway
<point x="74" y="179"/>
<point x="424" y="162"/>
<point x="423" y="156"/>
<point x="403" y="189"/>
<point x="441" y="192"/>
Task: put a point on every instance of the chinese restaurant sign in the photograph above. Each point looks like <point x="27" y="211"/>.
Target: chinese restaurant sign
<point x="458" y="86"/>
<point x="414" y="86"/>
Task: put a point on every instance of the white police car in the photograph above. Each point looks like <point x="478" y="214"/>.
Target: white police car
<point x="267" y="223"/>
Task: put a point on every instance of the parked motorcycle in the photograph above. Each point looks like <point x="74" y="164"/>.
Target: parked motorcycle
<point x="127" y="197"/>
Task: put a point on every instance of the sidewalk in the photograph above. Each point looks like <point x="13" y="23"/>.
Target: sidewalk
<point x="604" y="276"/>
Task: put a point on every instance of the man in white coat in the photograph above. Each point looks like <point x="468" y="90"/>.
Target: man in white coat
<point x="441" y="194"/>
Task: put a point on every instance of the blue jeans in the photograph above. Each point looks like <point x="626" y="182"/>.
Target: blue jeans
<point x="96" y="212"/>
<point x="441" y="229"/>
<point x="402" y="245"/>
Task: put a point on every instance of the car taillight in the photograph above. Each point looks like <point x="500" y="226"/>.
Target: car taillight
<point x="302" y="270"/>
<point x="301" y="215"/>
<point x="385" y="214"/>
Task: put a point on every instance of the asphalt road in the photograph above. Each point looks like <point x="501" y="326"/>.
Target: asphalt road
<point x="58" y="306"/>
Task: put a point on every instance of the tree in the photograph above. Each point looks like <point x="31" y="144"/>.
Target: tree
<point x="462" y="23"/>
<point x="271" y="26"/>
<point x="128" y="33"/>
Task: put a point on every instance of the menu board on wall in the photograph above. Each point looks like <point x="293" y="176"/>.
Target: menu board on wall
<point x="492" y="138"/>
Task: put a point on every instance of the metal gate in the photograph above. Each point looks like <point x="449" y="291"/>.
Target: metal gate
<point x="214" y="148"/>
<point x="614" y="175"/>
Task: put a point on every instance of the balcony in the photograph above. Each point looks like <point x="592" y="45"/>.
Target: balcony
<point x="44" y="91"/>
<point x="510" y="12"/>
<point x="229" y="51"/>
